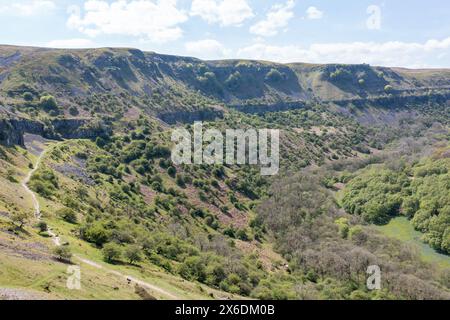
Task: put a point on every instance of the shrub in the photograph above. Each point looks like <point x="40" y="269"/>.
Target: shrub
<point x="181" y="181"/>
<point x="157" y="186"/>
<point x="229" y="232"/>
<point x="62" y="253"/>
<point x="202" y="196"/>
<point x="73" y="111"/>
<point x="19" y="218"/>
<point x="341" y="75"/>
<point x="343" y="226"/>
<point x="28" y="96"/>
<point x="68" y="215"/>
<point x="388" y="88"/>
<point x="10" y="176"/>
<point x="212" y="222"/>
<point x="197" y="213"/>
<point x="95" y="233"/>
<point x="172" y="171"/>
<point x="193" y="268"/>
<point x="274" y="76"/>
<point x="215" y="183"/>
<point x="42" y="226"/>
<point x="42" y="188"/>
<point x="48" y="102"/>
<point x="133" y="254"/>
<point x="234" y="80"/>
<point x="111" y="252"/>
<point x="242" y="235"/>
<point x="218" y="172"/>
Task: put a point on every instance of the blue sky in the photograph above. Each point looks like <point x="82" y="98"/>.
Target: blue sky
<point x="413" y="33"/>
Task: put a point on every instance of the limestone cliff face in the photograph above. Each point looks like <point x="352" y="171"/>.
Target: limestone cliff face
<point x="387" y="103"/>
<point x="9" y="135"/>
<point x="191" y="116"/>
<point x="12" y="130"/>
<point x="79" y="128"/>
<point x="265" y="108"/>
<point x="392" y="102"/>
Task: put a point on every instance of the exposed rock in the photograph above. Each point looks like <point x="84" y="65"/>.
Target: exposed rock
<point x="12" y="130"/>
<point x="190" y="117"/>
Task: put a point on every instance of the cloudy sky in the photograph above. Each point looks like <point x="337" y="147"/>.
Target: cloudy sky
<point x="407" y="33"/>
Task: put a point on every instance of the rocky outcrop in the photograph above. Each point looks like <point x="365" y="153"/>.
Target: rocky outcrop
<point x="191" y="116"/>
<point x="12" y="130"/>
<point x="80" y="128"/>
<point x="9" y="135"/>
<point x="396" y="101"/>
<point x="261" y="109"/>
<point x="387" y="102"/>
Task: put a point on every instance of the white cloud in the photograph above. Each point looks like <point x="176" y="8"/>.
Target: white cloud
<point x="278" y="17"/>
<point x="313" y="13"/>
<point x="224" y="12"/>
<point x="393" y="53"/>
<point x="71" y="43"/>
<point x="27" y="8"/>
<point x="157" y="21"/>
<point x="207" y="49"/>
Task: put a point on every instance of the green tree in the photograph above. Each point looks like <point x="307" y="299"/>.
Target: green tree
<point x="48" y="102"/>
<point x="28" y="96"/>
<point x="62" y="253"/>
<point x="95" y="233"/>
<point x="388" y="88"/>
<point x="42" y="226"/>
<point x="343" y="226"/>
<point x="193" y="268"/>
<point x="172" y="171"/>
<point x="242" y="235"/>
<point x="68" y="215"/>
<point x="274" y="76"/>
<point x="133" y="254"/>
<point x="20" y="218"/>
<point x="111" y="252"/>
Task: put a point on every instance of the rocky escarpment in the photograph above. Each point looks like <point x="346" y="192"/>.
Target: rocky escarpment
<point x="9" y="135"/>
<point x="396" y="101"/>
<point x="261" y="108"/>
<point x="156" y="82"/>
<point x="393" y="101"/>
<point x="79" y="128"/>
<point x="191" y="116"/>
<point x="13" y="129"/>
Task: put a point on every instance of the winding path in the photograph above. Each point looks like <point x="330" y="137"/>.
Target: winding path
<point x="36" y="205"/>
<point x="57" y="241"/>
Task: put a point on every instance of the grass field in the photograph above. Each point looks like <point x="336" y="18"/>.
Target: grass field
<point x="401" y="229"/>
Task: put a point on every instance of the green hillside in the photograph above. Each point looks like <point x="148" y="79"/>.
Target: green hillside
<point x="91" y="129"/>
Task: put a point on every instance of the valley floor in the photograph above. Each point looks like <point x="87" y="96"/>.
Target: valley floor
<point x="400" y="228"/>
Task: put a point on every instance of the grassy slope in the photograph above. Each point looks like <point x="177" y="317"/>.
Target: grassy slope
<point x="27" y="263"/>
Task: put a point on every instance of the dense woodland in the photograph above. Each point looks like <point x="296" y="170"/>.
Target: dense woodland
<point x="332" y="245"/>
